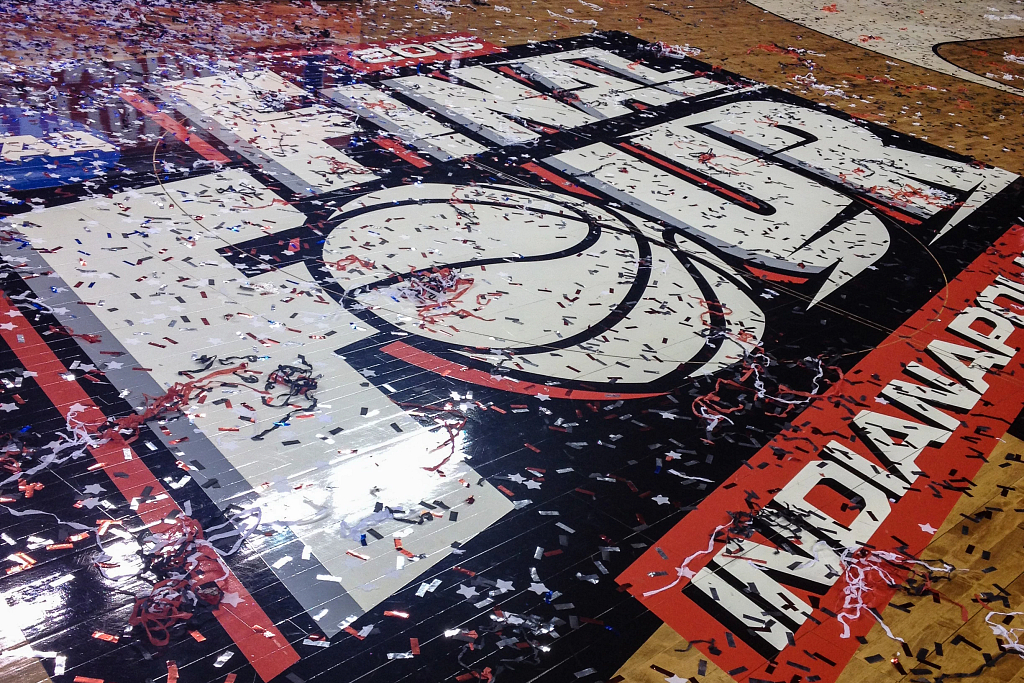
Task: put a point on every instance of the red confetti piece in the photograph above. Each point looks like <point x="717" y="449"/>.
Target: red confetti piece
<point x="103" y="525"/>
<point x="24" y="559"/>
<point x="29" y="488"/>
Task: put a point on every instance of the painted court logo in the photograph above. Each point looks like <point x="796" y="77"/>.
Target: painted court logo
<point x="706" y="188"/>
<point x="604" y="232"/>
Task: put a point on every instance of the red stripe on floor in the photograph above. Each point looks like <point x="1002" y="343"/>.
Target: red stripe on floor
<point x="401" y="152"/>
<point x="898" y="215"/>
<point x="557" y="180"/>
<point x="167" y="122"/>
<point x="692" y="176"/>
<point x="245" y="623"/>
<point x="821" y="422"/>
<point x="432" y="363"/>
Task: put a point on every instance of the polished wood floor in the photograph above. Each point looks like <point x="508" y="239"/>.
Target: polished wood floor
<point x="972" y="119"/>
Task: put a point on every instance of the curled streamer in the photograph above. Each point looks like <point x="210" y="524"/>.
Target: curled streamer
<point x="300" y="385"/>
<point x="862" y="572"/>
<point x="189" y="571"/>
<point x="753" y="375"/>
<point x="1010" y="636"/>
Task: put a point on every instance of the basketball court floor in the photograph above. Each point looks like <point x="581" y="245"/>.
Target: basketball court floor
<point x="462" y="341"/>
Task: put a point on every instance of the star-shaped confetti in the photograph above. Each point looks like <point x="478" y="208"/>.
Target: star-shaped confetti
<point x="231" y="599"/>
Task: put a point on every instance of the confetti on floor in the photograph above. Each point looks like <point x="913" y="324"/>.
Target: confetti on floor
<point x="462" y="341"/>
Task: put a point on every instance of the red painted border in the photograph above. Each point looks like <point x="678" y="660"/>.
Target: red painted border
<point x="692" y="176"/>
<point x="821" y="422"/>
<point x="168" y="123"/>
<point x="246" y="623"/>
<point x="432" y="363"/>
<point x="401" y="152"/>
<point x="558" y="180"/>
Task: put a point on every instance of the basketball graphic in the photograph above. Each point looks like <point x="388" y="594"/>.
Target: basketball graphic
<point x="469" y="270"/>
